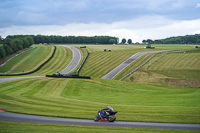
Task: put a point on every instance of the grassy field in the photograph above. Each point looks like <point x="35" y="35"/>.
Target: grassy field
<point x="100" y="63"/>
<point x="133" y="66"/>
<point x="181" y="68"/>
<point x="31" y="59"/>
<point x="28" y="60"/>
<point x="77" y="98"/>
<point x="16" y="127"/>
<point x="61" y="59"/>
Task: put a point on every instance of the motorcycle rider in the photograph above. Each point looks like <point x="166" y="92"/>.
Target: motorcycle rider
<point x="107" y="110"/>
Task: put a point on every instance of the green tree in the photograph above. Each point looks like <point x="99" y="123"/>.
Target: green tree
<point x="129" y="41"/>
<point x="30" y="40"/>
<point x="13" y="45"/>
<point x="19" y="43"/>
<point x="144" y="41"/>
<point x="2" y="52"/>
<point x="1" y="40"/>
<point x="7" y="41"/>
<point x="7" y="49"/>
<point x="112" y="41"/>
<point x="149" y="41"/>
<point x="123" y="41"/>
<point x="25" y="42"/>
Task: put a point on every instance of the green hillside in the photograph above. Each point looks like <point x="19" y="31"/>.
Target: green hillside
<point x="76" y="98"/>
<point x="31" y="59"/>
<point x="181" y="68"/>
<point x="61" y="59"/>
<point x="28" y="60"/>
<point x="100" y="63"/>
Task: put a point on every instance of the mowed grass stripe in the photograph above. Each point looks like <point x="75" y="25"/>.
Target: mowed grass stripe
<point x="28" y="87"/>
<point x="56" y="92"/>
<point x="16" y="127"/>
<point x="27" y="61"/>
<point x="37" y="107"/>
<point x="176" y="69"/>
<point x="83" y="98"/>
<point x="27" y="102"/>
<point x="133" y="66"/>
<point x="52" y="64"/>
<point x="101" y="63"/>
<point x="138" y="111"/>
<point x="44" y="102"/>
<point x="14" y="88"/>
<point x="35" y="88"/>
<point x="178" y="65"/>
<point x="41" y="85"/>
<point x="61" y="59"/>
<point x="9" y="84"/>
<point x="50" y="84"/>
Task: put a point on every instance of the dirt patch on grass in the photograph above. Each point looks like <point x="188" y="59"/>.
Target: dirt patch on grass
<point x="154" y="78"/>
<point x="146" y="77"/>
<point x="194" y="83"/>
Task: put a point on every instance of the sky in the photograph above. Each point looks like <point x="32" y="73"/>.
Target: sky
<point x="130" y="19"/>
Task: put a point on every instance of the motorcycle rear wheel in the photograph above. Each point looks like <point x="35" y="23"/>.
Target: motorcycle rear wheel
<point x="96" y="118"/>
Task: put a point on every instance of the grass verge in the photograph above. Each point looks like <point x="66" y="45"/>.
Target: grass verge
<point x="16" y="127"/>
<point x="28" y="60"/>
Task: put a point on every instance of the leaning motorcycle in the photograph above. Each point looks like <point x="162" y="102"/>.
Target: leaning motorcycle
<point x="105" y="116"/>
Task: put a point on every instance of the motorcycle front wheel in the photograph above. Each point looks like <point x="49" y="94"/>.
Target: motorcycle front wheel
<point x="111" y="118"/>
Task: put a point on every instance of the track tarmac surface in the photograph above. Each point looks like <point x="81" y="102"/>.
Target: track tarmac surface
<point x="122" y="66"/>
<point x="6" y="116"/>
<point x="75" y="60"/>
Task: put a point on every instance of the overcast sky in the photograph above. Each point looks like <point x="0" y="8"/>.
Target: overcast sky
<point x="130" y="19"/>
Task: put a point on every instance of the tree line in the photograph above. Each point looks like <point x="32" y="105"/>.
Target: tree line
<point x="188" y="39"/>
<point x="9" y="46"/>
<point x="70" y="39"/>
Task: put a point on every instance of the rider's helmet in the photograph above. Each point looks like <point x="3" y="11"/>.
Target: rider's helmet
<point x="110" y="108"/>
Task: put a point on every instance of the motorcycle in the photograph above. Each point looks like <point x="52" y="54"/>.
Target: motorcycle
<point x="106" y="115"/>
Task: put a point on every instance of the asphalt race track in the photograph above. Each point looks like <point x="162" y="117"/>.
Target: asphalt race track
<point x="122" y="66"/>
<point x="75" y="60"/>
<point x="5" y="116"/>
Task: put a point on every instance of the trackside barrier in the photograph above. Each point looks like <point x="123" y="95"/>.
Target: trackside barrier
<point x="77" y="73"/>
<point x="151" y="59"/>
<point x="37" y="69"/>
<point x="68" y="76"/>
